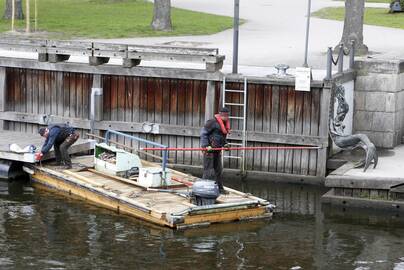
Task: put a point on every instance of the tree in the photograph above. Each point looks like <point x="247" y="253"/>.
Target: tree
<point x="353" y="26"/>
<point x="19" y="15"/>
<point x="162" y="15"/>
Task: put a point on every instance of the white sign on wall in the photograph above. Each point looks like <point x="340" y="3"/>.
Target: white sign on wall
<point x="303" y="79"/>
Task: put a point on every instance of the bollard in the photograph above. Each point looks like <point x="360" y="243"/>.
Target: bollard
<point x="329" y="64"/>
<point x="341" y="58"/>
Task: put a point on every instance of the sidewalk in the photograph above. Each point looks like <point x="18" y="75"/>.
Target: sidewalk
<point x="275" y="32"/>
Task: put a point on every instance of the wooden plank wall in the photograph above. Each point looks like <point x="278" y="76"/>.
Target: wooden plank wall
<point x="47" y="92"/>
<point x="161" y="101"/>
<point x="275" y="110"/>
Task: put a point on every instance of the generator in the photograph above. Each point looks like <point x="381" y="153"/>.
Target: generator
<point x="113" y="161"/>
<point x="205" y="192"/>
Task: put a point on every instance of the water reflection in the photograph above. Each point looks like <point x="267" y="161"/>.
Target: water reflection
<point x="289" y="198"/>
<point x="41" y="230"/>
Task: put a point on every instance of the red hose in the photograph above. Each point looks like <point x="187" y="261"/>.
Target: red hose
<point x="232" y="148"/>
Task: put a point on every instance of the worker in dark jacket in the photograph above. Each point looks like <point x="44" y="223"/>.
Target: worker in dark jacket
<point x="214" y="135"/>
<point x="61" y="137"/>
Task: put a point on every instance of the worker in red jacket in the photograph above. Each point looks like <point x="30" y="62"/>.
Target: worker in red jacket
<point x="214" y="135"/>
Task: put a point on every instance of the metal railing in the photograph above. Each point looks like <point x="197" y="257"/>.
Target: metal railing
<point x="165" y="152"/>
<point x="340" y="59"/>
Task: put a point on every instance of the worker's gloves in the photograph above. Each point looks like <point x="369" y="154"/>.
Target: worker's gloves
<point x="38" y="156"/>
<point x="209" y="149"/>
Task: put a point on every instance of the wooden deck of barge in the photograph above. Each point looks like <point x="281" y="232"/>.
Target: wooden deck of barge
<point x="168" y="208"/>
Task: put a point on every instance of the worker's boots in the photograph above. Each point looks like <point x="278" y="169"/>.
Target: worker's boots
<point x="221" y="188"/>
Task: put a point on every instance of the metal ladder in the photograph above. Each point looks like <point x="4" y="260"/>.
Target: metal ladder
<point x="242" y="117"/>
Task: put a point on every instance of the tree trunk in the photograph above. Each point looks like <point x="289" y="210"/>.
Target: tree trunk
<point x="19" y="15"/>
<point x="353" y="26"/>
<point x="162" y="15"/>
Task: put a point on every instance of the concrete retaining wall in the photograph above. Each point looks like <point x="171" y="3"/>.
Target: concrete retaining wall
<point x="379" y="101"/>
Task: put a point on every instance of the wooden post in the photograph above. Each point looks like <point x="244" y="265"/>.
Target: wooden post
<point x="36" y="16"/>
<point x="210" y="100"/>
<point x="2" y="94"/>
<point x="96" y="110"/>
<point x="324" y="128"/>
<point x="12" y="15"/>
<point x="27" y="18"/>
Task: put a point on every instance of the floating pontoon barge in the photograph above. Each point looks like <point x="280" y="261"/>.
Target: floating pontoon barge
<point x="166" y="206"/>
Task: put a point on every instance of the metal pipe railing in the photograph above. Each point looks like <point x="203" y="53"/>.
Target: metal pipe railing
<point x="329" y="64"/>
<point x="340" y="60"/>
<point x="165" y="152"/>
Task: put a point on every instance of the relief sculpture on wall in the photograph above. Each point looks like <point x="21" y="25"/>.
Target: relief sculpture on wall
<point x="350" y="142"/>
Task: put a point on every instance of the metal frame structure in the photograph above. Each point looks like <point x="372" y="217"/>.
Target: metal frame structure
<point x="165" y="152"/>
<point x="340" y="60"/>
<point x="243" y="118"/>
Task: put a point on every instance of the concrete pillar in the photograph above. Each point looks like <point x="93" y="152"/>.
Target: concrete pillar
<point x="210" y="100"/>
<point x="2" y="94"/>
<point x="379" y="101"/>
<point x="96" y="102"/>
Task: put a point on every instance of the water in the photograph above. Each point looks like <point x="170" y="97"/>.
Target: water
<point x="41" y="230"/>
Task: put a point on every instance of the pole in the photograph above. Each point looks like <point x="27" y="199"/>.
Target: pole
<point x="27" y="29"/>
<point x="329" y="64"/>
<point x="36" y="16"/>
<point x="306" y="49"/>
<point x="12" y="15"/>
<point x="341" y="58"/>
<point x="235" y="35"/>
<point x="231" y="148"/>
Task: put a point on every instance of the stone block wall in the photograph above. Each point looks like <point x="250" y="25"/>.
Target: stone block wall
<point x="379" y="101"/>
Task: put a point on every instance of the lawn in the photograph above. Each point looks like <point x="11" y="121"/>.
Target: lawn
<point x="378" y="1"/>
<point x="373" y="16"/>
<point x="114" y="19"/>
<point x="374" y="1"/>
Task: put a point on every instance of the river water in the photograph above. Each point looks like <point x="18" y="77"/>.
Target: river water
<point x="42" y="230"/>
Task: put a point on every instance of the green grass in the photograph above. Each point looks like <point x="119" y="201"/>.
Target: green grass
<point x="114" y="19"/>
<point x="373" y="1"/>
<point x="378" y="1"/>
<point x="373" y="16"/>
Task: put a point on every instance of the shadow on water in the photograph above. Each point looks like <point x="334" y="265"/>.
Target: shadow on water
<point x="43" y="230"/>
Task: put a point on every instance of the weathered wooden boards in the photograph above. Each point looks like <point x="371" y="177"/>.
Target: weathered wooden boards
<point x="287" y="117"/>
<point x="99" y="53"/>
<point x="161" y="208"/>
<point x="23" y="139"/>
<point x="2" y="93"/>
<point x="176" y="110"/>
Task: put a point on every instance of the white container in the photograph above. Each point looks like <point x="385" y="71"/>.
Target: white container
<point x="124" y="160"/>
<point x="152" y="177"/>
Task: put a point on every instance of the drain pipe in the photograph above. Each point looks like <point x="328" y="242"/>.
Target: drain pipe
<point x="95" y="106"/>
<point x="236" y="23"/>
